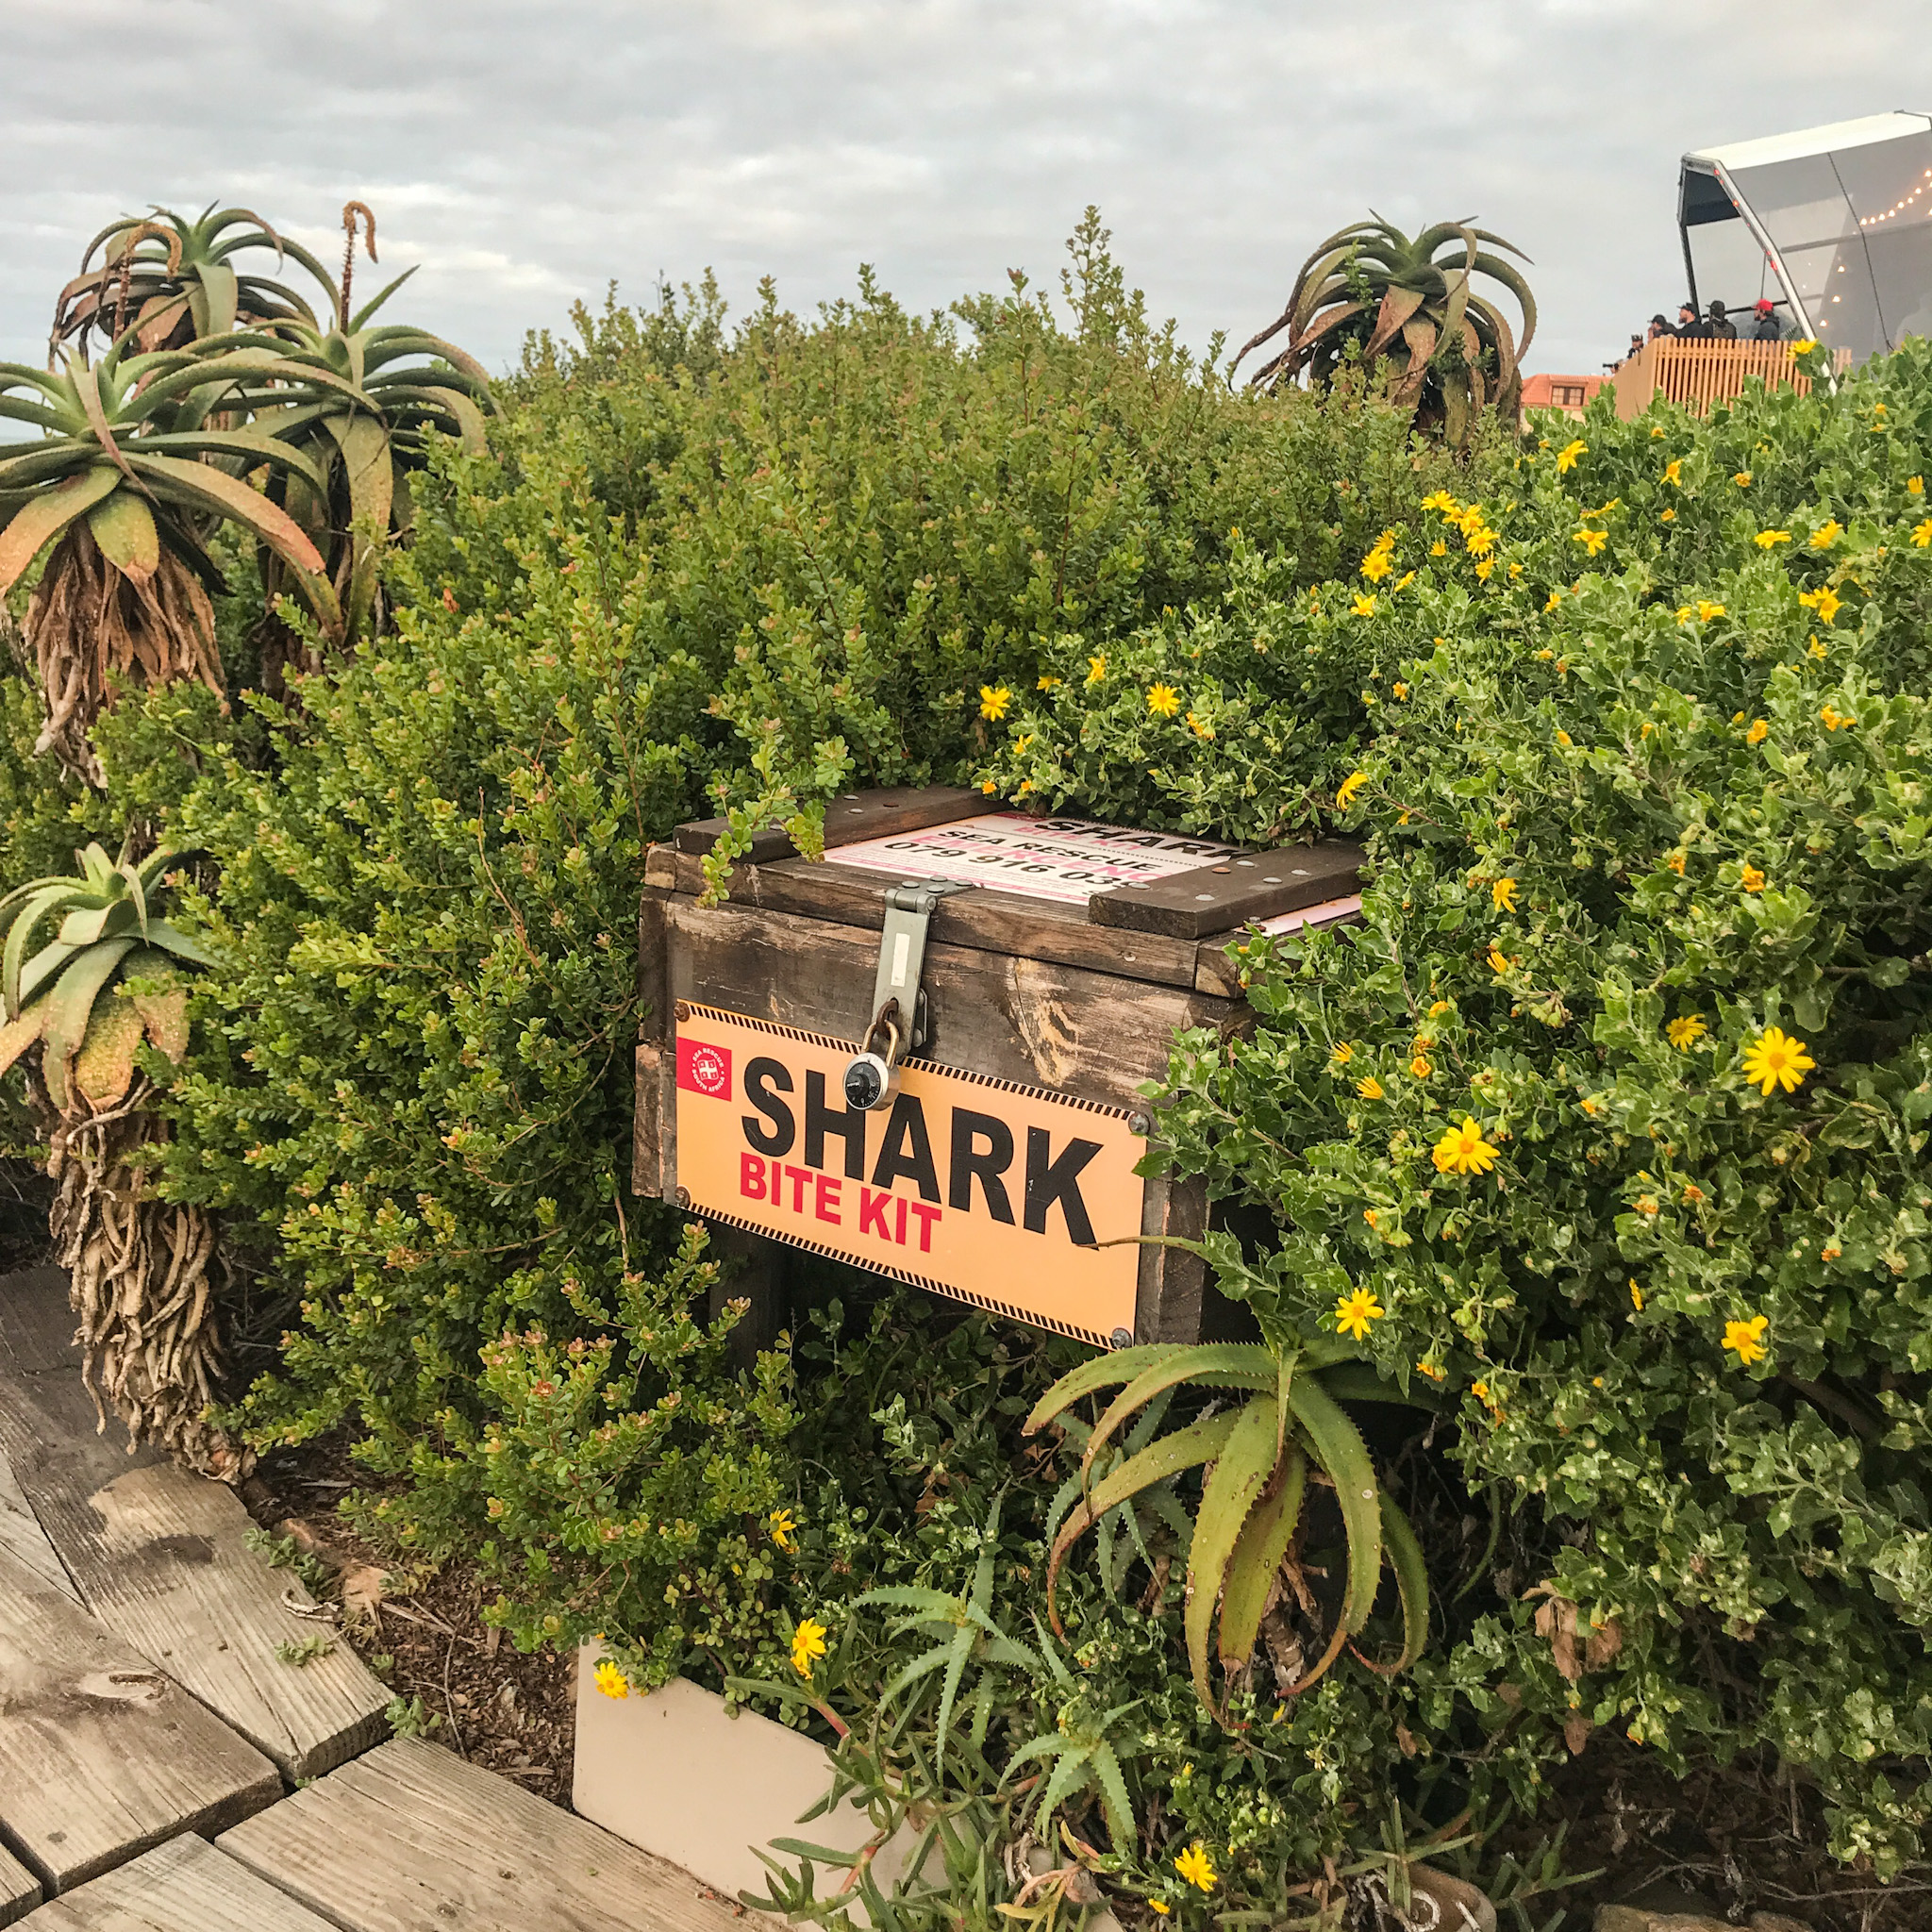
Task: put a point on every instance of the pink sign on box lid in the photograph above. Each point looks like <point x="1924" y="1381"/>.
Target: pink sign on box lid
<point x="1064" y="859"/>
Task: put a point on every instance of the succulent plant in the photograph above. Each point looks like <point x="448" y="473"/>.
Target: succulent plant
<point x="143" y="1271"/>
<point x="360" y="401"/>
<point x="110" y="930"/>
<point x="139" y="455"/>
<point x="1412" y="302"/>
<point x="1259" y="1456"/>
<point x="174" y="281"/>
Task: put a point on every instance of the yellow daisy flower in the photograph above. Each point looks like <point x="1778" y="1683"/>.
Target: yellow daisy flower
<point x="1684" y="1033"/>
<point x="1164" y="700"/>
<point x="1355" y="1313"/>
<point x="1776" y="1060"/>
<point x="808" y="1643"/>
<point x="1745" y="1340"/>
<point x="1463" y="1150"/>
<point x="1197" y="1867"/>
<point x="611" y="1680"/>
<point x="993" y="702"/>
<point x="1567" y="457"/>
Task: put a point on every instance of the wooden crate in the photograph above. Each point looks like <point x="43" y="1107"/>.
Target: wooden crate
<point x="1000" y="1173"/>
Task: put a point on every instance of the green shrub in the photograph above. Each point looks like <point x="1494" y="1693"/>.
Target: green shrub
<point x="689" y="570"/>
<point x="1651" y="786"/>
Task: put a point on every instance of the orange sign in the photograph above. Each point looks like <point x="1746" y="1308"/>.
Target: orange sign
<point x="971" y="1187"/>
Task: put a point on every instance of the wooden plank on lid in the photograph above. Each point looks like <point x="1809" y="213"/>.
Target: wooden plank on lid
<point x="849" y="818"/>
<point x="1232" y="890"/>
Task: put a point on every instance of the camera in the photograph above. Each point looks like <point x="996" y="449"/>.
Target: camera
<point x="868" y="1080"/>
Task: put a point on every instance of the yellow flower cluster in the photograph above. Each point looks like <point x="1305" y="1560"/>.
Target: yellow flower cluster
<point x="1381" y="557"/>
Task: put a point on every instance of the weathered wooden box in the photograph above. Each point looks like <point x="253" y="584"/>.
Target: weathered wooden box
<point x="1000" y="1170"/>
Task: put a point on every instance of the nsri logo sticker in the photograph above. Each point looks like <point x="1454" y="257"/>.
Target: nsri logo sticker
<point x="702" y="1068"/>
<point x="1019" y="1199"/>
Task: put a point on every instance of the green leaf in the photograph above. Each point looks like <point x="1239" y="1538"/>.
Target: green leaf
<point x="32" y="528"/>
<point x="1101" y="1372"/>
<point x="1236" y="1478"/>
<point x="1113" y="1798"/>
<point x="1257" y="1556"/>
<point x="1221" y="1365"/>
<point x="21" y="931"/>
<point x="69" y="1007"/>
<point x="124" y="526"/>
<point x="1338" y="1448"/>
<point x="172" y="939"/>
<point x="1412" y="1583"/>
<point x="1186" y="1448"/>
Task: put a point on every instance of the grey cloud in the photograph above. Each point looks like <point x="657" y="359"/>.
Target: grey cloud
<point x="525" y="155"/>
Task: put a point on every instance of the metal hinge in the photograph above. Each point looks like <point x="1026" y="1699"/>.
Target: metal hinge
<point x="900" y="1022"/>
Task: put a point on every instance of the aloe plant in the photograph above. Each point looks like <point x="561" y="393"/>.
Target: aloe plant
<point x="1085" y="1750"/>
<point x="965" y="1636"/>
<point x="142" y="1271"/>
<point x="139" y="457"/>
<point x="1412" y="302"/>
<point x="360" y="401"/>
<point x="173" y="279"/>
<point x="108" y="931"/>
<point x="1259" y="1456"/>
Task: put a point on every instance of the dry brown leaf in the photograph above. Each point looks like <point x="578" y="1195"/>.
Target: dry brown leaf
<point x="1576" y="1648"/>
<point x="1576" y="1730"/>
<point x="16" y="1036"/>
<point x="362" y="1593"/>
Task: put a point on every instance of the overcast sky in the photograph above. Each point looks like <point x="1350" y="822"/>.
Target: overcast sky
<point x="527" y="154"/>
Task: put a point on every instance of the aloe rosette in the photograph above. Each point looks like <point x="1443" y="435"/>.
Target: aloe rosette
<point x="1411" y="301"/>
<point x="1259" y="1456"/>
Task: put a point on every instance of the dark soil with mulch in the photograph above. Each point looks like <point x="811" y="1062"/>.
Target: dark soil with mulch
<point x="1725" y="1843"/>
<point x="465" y="1685"/>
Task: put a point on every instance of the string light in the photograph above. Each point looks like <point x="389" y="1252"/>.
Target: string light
<point x="1898" y="206"/>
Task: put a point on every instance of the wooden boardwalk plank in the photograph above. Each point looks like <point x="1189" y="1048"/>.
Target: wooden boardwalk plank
<point x="183" y="1886"/>
<point x="23" y="1537"/>
<point x="101" y="1757"/>
<point x="20" y="1890"/>
<point x="411" y="1839"/>
<point x="159" y="1557"/>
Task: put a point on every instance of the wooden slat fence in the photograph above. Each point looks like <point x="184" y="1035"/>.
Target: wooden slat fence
<point x="1700" y="374"/>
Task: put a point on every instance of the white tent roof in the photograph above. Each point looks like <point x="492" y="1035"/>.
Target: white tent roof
<point x="1735" y="155"/>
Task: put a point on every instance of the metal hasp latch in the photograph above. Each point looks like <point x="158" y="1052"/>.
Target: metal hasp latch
<point x="899" y="1024"/>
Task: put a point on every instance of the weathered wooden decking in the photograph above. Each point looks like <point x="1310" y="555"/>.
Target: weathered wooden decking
<point x="149" y="1732"/>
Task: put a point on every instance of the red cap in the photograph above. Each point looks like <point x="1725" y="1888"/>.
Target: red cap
<point x="1765" y="304"/>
